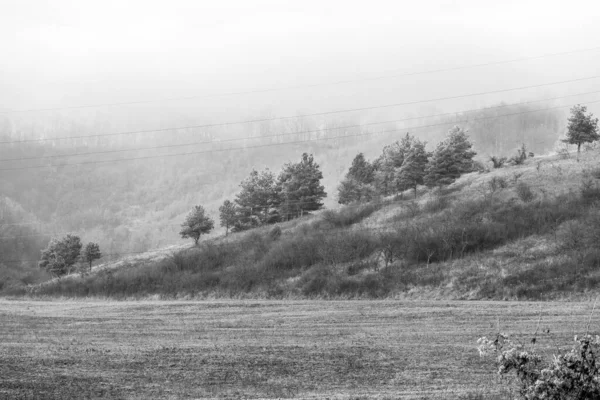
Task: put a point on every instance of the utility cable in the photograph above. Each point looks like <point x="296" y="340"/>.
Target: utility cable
<point x="307" y="115"/>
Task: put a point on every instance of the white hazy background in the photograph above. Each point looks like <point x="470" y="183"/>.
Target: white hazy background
<point x="70" y="53"/>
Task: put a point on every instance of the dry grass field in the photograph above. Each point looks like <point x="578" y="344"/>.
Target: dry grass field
<point x="265" y="349"/>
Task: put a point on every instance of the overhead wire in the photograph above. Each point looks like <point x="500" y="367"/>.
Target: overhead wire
<point x="294" y="133"/>
<point x="241" y="122"/>
<point x="404" y="129"/>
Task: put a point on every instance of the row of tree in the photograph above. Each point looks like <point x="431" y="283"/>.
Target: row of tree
<point x="403" y="165"/>
<point x="406" y="164"/>
<point x="264" y="199"/>
<point x="61" y="255"/>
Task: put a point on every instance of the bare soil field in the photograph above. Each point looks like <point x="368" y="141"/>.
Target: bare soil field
<point x="266" y="349"/>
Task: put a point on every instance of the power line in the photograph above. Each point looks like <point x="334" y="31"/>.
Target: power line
<point x="275" y="89"/>
<point x="290" y="133"/>
<point x="285" y="143"/>
<point x="306" y="115"/>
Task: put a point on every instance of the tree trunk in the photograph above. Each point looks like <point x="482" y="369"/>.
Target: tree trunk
<point x="578" y="150"/>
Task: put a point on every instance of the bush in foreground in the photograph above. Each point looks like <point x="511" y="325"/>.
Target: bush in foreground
<point x="571" y="375"/>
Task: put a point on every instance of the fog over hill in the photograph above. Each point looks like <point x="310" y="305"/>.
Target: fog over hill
<point x="116" y="118"/>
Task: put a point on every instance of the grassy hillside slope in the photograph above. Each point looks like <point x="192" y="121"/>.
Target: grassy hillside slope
<point x="520" y="232"/>
<point x="130" y="193"/>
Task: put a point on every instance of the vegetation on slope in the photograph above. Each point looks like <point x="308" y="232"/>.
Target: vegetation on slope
<point x="528" y="231"/>
<point x="351" y="253"/>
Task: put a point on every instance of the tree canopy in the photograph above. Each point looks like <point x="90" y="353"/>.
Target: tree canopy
<point x="582" y="128"/>
<point x="299" y="187"/>
<point x="388" y="164"/>
<point x="61" y="255"/>
<point x="258" y="200"/>
<point x="452" y="158"/>
<point x="91" y="252"/>
<point x="358" y="185"/>
<point x="196" y="224"/>
<point x="361" y="170"/>
<point x="228" y="215"/>
<point x="412" y="172"/>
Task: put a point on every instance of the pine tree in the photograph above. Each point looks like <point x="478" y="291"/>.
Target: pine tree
<point x="91" y="252"/>
<point x="299" y="187"/>
<point x="228" y="215"/>
<point x="361" y="170"/>
<point x="258" y="201"/>
<point x="358" y="184"/>
<point x="60" y="255"/>
<point x="582" y="128"/>
<point x="388" y="164"/>
<point x="196" y="224"/>
<point x="451" y="158"/>
<point x="412" y="172"/>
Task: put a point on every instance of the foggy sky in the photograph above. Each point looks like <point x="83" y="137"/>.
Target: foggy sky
<point x="65" y="53"/>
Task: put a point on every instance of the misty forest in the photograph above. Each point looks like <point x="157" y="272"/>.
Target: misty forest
<point x="331" y="199"/>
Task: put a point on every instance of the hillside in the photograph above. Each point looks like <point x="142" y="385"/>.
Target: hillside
<point x="130" y="193"/>
<point x="519" y="232"/>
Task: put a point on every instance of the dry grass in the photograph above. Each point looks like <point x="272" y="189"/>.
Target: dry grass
<point x="261" y="349"/>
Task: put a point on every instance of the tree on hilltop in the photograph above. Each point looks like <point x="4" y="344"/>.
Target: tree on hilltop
<point x="412" y="172"/>
<point x="299" y="188"/>
<point x="361" y="170"/>
<point x="61" y="255"/>
<point x="258" y="201"/>
<point x="228" y="215"/>
<point x="389" y="163"/>
<point x="582" y="128"/>
<point x="91" y="252"/>
<point x="452" y="158"/>
<point x="196" y="224"/>
<point x="358" y="185"/>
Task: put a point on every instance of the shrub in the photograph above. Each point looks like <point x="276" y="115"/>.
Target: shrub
<point x="436" y="204"/>
<point x="315" y="281"/>
<point x="521" y="155"/>
<point x="562" y="149"/>
<point x="351" y="214"/>
<point x="590" y="191"/>
<point x="595" y="173"/>
<point x="572" y="375"/>
<point x="497" y="183"/>
<point x="497" y="162"/>
<point x="275" y="233"/>
<point x="480" y="167"/>
<point x="524" y="192"/>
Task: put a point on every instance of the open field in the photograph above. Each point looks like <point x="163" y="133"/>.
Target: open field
<point x="264" y="349"/>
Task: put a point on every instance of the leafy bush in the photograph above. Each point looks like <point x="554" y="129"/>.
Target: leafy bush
<point x="521" y="155"/>
<point x="595" y="173"/>
<point x="590" y="191"/>
<point x="497" y="162"/>
<point x="436" y="204"/>
<point x="480" y="167"/>
<point x="351" y="214"/>
<point x="524" y="192"/>
<point x="275" y="233"/>
<point x="572" y="375"/>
